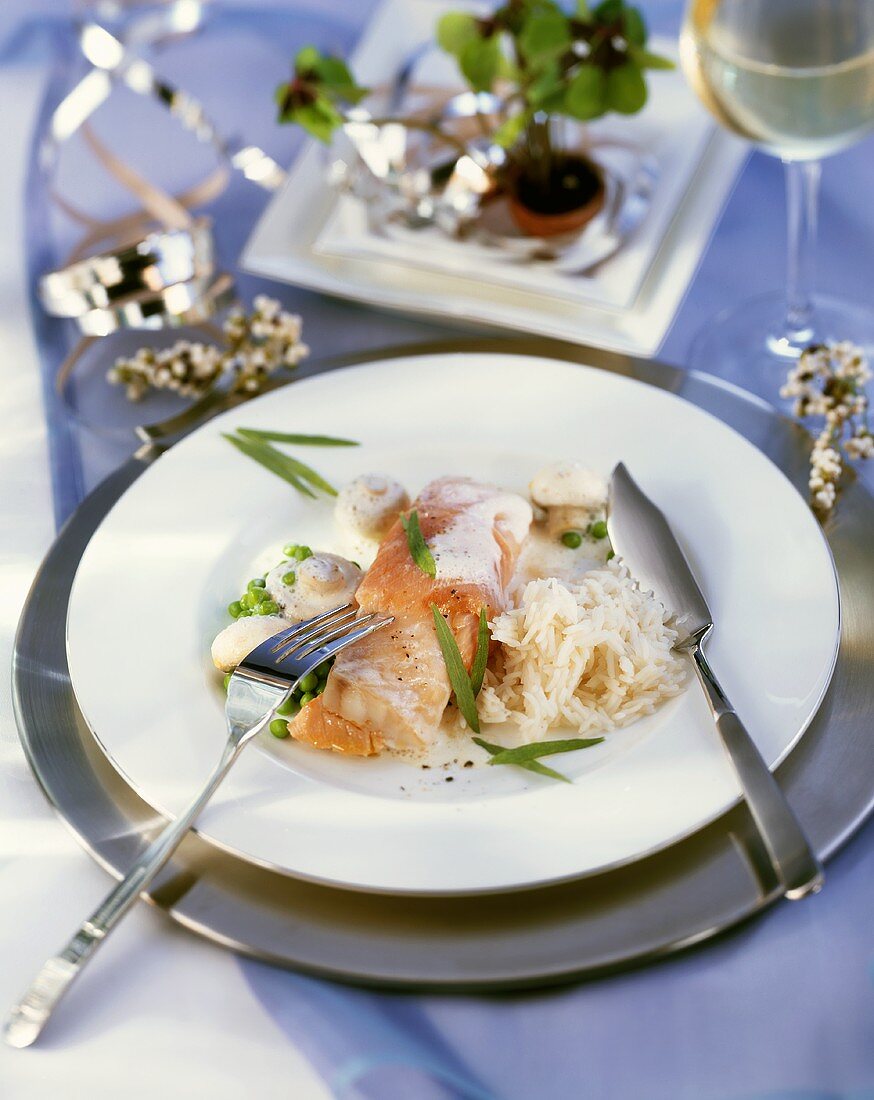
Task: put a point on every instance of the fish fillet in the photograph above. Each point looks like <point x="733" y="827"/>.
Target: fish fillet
<point x="390" y="690"/>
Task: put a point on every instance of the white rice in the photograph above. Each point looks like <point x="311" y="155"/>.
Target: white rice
<point x="592" y="656"/>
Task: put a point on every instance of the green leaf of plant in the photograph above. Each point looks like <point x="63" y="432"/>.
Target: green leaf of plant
<point x="646" y="60"/>
<point x="271" y="459"/>
<point x="547" y="86"/>
<point x="419" y="551"/>
<point x="523" y="753"/>
<point x="481" y="657"/>
<point x="626" y="89"/>
<point x="457" y="673"/>
<point x="454" y="30"/>
<point x="508" y="133"/>
<point x="295" y="437"/>
<point x="528" y="765"/>
<point x="479" y="61"/>
<point x="338" y="82"/>
<point x="546" y="34"/>
<point x="634" y="26"/>
<point x="586" y="96"/>
<point x="608" y="11"/>
<point x="583" y="10"/>
<point x="320" y="119"/>
<point x="306" y="60"/>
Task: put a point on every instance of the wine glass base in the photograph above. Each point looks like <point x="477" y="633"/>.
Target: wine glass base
<point x="748" y="344"/>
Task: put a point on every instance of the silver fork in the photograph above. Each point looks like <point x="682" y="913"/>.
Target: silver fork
<point x="263" y="682"/>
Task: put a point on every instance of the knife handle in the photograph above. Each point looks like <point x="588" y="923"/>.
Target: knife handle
<point x="794" y="861"/>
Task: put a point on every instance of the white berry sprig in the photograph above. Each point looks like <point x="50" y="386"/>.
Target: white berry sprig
<point x="258" y="344"/>
<point x="828" y="381"/>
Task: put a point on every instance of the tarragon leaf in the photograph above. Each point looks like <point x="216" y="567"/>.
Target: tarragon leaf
<point x="458" y="676"/>
<point x="528" y="765"/>
<point x="271" y="459"/>
<point x="525" y="753"/>
<point x="478" y="670"/>
<point x="419" y="551"/>
<point x="296" y="437"/>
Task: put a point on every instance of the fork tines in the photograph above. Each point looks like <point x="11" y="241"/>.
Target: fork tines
<point x="364" y="625"/>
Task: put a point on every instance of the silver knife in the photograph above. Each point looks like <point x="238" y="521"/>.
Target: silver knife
<point x="640" y="535"/>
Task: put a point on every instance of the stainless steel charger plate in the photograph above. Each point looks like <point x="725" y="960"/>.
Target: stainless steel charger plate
<point x="678" y="897"/>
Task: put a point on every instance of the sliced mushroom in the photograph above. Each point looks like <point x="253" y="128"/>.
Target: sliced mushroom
<point x="321" y="582"/>
<point x="241" y="637"/>
<point x="368" y="506"/>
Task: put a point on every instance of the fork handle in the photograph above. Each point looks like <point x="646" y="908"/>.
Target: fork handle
<point x="794" y="861"/>
<point x="27" y="1019"/>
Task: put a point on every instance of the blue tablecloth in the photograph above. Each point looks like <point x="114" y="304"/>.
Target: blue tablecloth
<point x="781" y="1008"/>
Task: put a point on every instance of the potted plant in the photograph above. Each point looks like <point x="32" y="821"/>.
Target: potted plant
<point x="541" y="64"/>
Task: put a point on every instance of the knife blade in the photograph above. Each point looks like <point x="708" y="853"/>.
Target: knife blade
<point x="641" y="536"/>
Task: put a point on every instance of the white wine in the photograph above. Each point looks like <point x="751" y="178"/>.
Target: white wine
<point x="794" y="76"/>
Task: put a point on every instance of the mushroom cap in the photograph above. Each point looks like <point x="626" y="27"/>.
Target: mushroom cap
<point x="241" y="636"/>
<point x="322" y="581"/>
<point x="568" y="484"/>
<point x="370" y="504"/>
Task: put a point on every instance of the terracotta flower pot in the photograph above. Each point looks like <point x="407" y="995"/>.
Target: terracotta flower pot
<point x="544" y="223"/>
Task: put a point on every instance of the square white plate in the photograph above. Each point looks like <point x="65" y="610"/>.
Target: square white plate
<point x="297" y="238"/>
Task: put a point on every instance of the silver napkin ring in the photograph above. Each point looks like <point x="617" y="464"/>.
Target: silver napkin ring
<point x="149" y="266"/>
<point x="186" y="303"/>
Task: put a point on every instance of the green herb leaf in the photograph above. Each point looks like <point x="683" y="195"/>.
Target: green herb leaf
<point x="480" y="61"/>
<point x="291" y="469"/>
<point x="481" y="657"/>
<point x="626" y="89"/>
<point x="546" y="34"/>
<point x="634" y="26"/>
<point x="454" y="30"/>
<point x="419" y="551"/>
<point x="646" y="60"/>
<point x="320" y="119"/>
<point x="306" y="59"/>
<point x="586" y="96"/>
<point x="509" y="132"/>
<point x="271" y="459"/>
<point x="296" y="437"/>
<point x="546" y="91"/>
<point x="608" y="11"/>
<point x="536" y="749"/>
<point x="528" y="765"/>
<point x="458" y="676"/>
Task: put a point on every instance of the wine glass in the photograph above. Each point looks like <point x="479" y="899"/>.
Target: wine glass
<point x="796" y="77"/>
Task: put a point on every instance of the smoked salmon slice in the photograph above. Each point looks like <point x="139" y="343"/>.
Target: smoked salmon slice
<point x="390" y="689"/>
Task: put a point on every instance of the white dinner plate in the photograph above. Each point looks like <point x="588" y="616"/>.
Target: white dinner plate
<point x="153" y="585"/>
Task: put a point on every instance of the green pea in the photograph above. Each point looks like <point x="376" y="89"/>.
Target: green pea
<point x="290" y="549"/>
<point x="599" y="530"/>
<point x="309" y="682"/>
<point x="307" y="697"/>
<point x="323" y="669"/>
<point x="289" y="578"/>
<point x="611" y="554"/>
<point x="227" y="680"/>
<point x="256" y="582"/>
<point x="301" y="553"/>
<point x="279" y="727"/>
<point x="234" y="609"/>
<point x="572" y="539"/>
<point x="247" y="602"/>
<point x="245" y="613"/>
<point x="268" y="607"/>
<point x="289" y="707"/>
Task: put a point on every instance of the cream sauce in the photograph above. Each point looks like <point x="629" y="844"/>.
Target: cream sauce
<point x="466" y="550"/>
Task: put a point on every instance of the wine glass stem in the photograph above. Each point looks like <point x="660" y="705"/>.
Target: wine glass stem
<point x="802" y="200"/>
